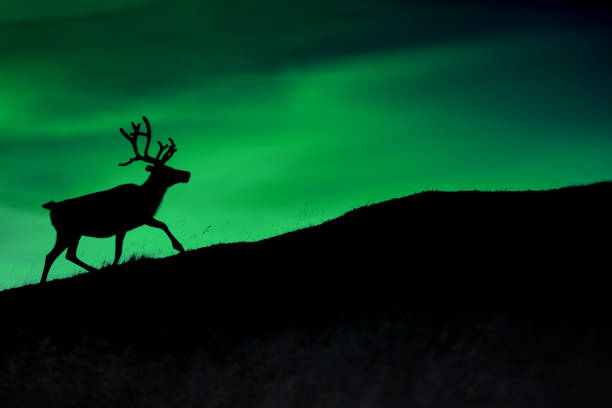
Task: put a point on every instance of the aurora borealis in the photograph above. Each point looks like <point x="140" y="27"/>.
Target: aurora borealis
<point x="290" y="113"/>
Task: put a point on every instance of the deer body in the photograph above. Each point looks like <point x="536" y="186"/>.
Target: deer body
<point x="75" y="215"/>
<point x="116" y="211"/>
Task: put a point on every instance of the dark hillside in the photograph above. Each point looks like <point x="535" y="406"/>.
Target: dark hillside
<point x="436" y="299"/>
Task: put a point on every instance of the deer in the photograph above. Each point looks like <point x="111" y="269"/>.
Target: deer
<point x="116" y="211"/>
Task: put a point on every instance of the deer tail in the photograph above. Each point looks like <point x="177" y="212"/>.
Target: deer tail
<point x="50" y="205"/>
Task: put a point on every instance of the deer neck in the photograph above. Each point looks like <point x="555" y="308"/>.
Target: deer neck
<point x="153" y="192"/>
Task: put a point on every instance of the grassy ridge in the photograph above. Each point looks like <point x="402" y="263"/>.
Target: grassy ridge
<point x="436" y="299"/>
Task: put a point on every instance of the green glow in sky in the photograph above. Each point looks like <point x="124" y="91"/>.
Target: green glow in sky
<point x="288" y="114"/>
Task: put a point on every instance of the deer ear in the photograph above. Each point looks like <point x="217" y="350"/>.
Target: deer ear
<point x="149" y="168"/>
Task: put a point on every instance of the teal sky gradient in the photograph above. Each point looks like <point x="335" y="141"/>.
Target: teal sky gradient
<point x="289" y="113"/>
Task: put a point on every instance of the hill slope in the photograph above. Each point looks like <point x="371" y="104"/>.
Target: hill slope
<point x="423" y="281"/>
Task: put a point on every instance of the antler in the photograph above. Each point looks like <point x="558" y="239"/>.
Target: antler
<point x="168" y="154"/>
<point x="161" y="157"/>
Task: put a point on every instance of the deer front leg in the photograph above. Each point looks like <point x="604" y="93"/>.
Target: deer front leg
<point x="158" y="224"/>
<point x="118" y="246"/>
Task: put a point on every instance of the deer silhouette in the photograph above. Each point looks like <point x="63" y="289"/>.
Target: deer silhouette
<point x="118" y="210"/>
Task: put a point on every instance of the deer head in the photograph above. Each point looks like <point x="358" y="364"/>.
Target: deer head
<point x="160" y="173"/>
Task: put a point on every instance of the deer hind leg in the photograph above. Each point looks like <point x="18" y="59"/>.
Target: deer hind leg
<point x="118" y="246"/>
<point x="72" y="256"/>
<point x="61" y="243"/>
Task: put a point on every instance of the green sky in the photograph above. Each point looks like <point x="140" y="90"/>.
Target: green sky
<point x="289" y="113"/>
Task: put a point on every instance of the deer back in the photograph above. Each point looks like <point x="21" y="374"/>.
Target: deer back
<point x="104" y="213"/>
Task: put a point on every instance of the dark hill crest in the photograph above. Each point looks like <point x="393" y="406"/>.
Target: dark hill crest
<point x="482" y="237"/>
<point x="487" y="298"/>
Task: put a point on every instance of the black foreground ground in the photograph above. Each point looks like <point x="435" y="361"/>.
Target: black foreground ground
<point x="463" y="299"/>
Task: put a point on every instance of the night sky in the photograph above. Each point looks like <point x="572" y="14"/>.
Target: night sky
<point x="289" y="113"/>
